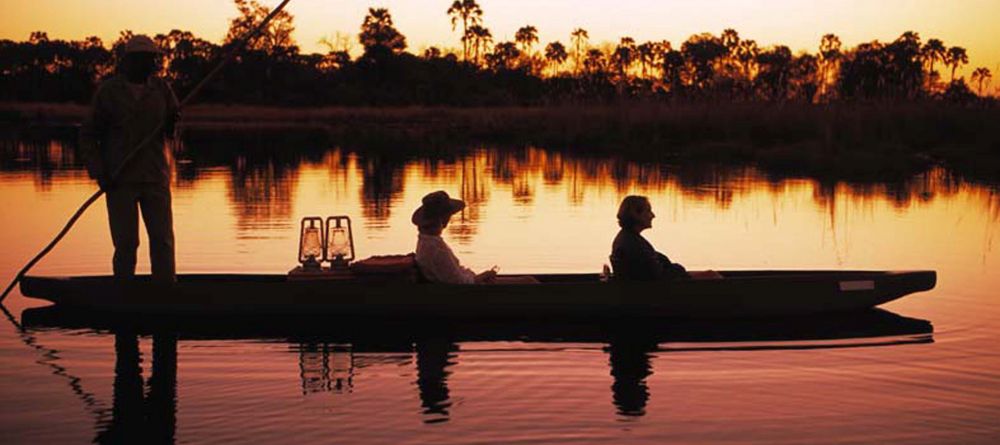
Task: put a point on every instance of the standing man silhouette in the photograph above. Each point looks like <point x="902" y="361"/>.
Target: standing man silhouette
<point x="126" y="109"/>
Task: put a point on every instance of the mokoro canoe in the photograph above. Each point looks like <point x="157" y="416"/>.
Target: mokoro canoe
<point x="740" y="294"/>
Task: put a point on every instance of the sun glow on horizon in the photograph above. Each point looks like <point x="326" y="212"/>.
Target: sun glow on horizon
<point x="796" y="23"/>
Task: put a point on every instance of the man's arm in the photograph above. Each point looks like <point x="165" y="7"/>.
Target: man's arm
<point x="93" y="134"/>
<point x="451" y="271"/>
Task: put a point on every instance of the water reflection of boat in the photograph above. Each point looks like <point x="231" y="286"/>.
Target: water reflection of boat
<point x="873" y="326"/>
<point x="330" y="351"/>
<point x="740" y="294"/>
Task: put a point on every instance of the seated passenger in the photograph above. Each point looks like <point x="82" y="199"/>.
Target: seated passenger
<point x="632" y="257"/>
<point x="435" y="259"/>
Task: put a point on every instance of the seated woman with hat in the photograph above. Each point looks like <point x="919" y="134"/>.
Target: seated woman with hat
<point x="435" y="259"/>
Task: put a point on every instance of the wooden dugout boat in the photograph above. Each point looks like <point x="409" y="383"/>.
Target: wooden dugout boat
<point x="741" y="294"/>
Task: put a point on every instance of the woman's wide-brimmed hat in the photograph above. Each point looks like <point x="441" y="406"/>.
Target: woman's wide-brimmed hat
<point x="435" y="206"/>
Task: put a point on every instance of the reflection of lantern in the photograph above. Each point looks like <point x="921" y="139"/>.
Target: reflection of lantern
<point x="339" y="241"/>
<point x="311" y="243"/>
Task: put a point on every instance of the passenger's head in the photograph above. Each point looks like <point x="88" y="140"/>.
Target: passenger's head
<point x="435" y="211"/>
<point x="635" y="213"/>
<point x="141" y="59"/>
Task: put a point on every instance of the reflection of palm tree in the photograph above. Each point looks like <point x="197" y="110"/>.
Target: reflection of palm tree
<point x="579" y="44"/>
<point x="982" y="75"/>
<point x="469" y="12"/>
<point x="262" y="190"/>
<point x="382" y="182"/>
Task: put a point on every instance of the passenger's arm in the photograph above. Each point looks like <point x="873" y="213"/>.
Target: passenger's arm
<point x="448" y="270"/>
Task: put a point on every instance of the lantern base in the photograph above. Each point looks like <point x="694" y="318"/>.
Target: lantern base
<point x="302" y="273"/>
<point x="339" y="263"/>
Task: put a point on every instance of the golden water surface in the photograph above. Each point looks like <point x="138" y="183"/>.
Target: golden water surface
<point x="529" y="210"/>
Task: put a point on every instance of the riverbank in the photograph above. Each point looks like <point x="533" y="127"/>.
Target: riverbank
<point x="862" y="141"/>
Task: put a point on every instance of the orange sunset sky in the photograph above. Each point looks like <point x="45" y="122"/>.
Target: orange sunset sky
<point x="797" y="23"/>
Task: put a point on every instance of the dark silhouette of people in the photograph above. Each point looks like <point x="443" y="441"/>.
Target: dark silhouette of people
<point x="433" y="359"/>
<point x="125" y="110"/>
<point x="136" y="416"/>
<point x="632" y="256"/>
<point x="630" y="366"/>
<point x="436" y="260"/>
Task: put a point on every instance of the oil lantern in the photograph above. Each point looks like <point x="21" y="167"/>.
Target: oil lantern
<point x="339" y="241"/>
<point x="311" y="243"/>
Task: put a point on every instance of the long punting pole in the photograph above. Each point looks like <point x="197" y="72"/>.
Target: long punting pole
<point x="149" y="138"/>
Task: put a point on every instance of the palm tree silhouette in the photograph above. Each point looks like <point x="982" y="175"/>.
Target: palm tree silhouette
<point x="830" y="55"/>
<point x="503" y="56"/>
<point x="469" y="12"/>
<point x="747" y="55"/>
<point x="730" y="38"/>
<point x="481" y="39"/>
<point x="673" y="68"/>
<point x="595" y="62"/>
<point x="933" y="51"/>
<point x="648" y="53"/>
<point x="579" y="38"/>
<point x="956" y="57"/>
<point x="702" y="51"/>
<point x="982" y="75"/>
<point x="555" y="54"/>
<point x="624" y="57"/>
<point x="526" y="37"/>
<point x="776" y="65"/>
<point x="378" y="32"/>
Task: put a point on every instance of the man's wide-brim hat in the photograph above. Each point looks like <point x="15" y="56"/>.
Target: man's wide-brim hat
<point x="435" y="207"/>
<point x="141" y="44"/>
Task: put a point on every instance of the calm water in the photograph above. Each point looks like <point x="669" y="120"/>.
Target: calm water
<point x="871" y="379"/>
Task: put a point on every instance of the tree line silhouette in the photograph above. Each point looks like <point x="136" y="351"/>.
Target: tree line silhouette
<point x="484" y="72"/>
